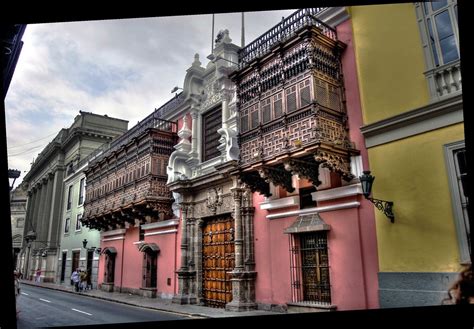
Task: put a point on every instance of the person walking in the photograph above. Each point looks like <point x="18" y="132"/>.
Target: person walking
<point x="16" y="275"/>
<point x="38" y="275"/>
<point x="75" y="278"/>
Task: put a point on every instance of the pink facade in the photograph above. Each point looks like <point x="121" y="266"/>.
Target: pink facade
<point x="351" y="239"/>
<point x="129" y="259"/>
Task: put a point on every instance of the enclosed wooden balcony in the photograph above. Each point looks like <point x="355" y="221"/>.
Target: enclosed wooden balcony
<point x="127" y="182"/>
<point x="292" y="108"/>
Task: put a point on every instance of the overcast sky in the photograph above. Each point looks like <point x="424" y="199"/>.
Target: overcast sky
<point x="123" y="68"/>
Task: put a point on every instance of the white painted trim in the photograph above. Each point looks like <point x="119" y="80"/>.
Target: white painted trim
<point x="161" y="232"/>
<point x="94" y="258"/>
<point x="430" y="117"/>
<point x="346" y="205"/>
<point x="68" y="259"/>
<point x="338" y="192"/>
<point x="166" y="223"/>
<point x="113" y="239"/>
<point x="82" y="258"/>
<point x="114" y="232"/>
<point x="138" y="242"/>
<point x="456" y="199"/>
<point x="333" y="16"/>
<point x="76" y="249"/>
<point x="280" y="203"/>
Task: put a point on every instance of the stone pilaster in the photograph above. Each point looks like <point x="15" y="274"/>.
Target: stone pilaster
<point x="243" y="282"/>
<point x="185" y="276"/>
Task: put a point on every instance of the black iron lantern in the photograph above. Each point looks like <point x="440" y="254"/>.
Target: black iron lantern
<point x="367" y="180"/>
<point x="84" y="243"/>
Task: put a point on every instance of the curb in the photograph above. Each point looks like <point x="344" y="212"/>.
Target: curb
<point x="117" y="301"/>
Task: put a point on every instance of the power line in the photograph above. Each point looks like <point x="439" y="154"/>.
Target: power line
<point x="25" y="151"/>
<point x="38" y="139"/>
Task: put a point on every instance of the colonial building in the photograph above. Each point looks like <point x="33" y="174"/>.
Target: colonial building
<point x="45" y="181"/>
<point x="18" y="211"/>
<point x="216" y="223"/>
<point x="301" y="151"/>
<point x="411" y="94"/>
<point x="127" y="199"/>
<point x="282" y="223"/>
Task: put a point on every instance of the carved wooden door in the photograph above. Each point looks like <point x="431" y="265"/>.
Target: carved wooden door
<point x="217" y="261"/>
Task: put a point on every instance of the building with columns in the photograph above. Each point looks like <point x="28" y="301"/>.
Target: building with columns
<point x="45" y="182"/>
<point x="18" y="211"/>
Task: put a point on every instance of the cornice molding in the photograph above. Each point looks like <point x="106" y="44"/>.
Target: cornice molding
<point x="334" y="16"/>
<point x="430" y="117"/>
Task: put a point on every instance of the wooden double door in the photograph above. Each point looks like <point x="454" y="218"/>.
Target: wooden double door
<point x="217" y="260"/>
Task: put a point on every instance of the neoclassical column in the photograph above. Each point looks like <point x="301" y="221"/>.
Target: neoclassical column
<point x="29" y="211"/>
<point x="48" y="200"/>
<point x="41" y="222"/>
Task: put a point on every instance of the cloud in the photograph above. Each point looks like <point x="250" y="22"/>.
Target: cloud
<point x="123" y="68"/>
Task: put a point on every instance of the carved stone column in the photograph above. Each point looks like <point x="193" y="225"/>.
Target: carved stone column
<point x="185" y="276"/>
<point x="242" y="298"/>
<point x="198" y="258"/>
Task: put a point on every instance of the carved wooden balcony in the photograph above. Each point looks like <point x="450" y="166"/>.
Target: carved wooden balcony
<point x="127" y="182"/>
<point x="291" y="104"/>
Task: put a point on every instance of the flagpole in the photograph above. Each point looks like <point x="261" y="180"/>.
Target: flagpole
<point x="243" y="32"/>
<point x="212" y="36"/>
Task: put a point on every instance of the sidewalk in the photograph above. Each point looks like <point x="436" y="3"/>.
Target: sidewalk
<point x="157" y="303"/>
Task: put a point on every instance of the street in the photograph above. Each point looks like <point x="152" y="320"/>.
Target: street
<point x="41" y="307"/>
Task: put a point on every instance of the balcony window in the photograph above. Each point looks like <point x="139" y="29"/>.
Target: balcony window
<point x="212" y="121"/>
<point x="81" y="191"/>
<point x="69" y="198"/>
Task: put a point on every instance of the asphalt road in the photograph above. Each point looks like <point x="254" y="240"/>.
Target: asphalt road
<point x="41" y="307"/>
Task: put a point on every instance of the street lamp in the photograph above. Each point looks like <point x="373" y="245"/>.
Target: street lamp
<point x="84" y="243"/>
<point x="367" y="180"/>
<point x="13" y="173"/>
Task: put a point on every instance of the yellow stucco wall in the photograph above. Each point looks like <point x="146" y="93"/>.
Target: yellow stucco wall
<point x="412" y="173"/>
<point x="390" y="60"/>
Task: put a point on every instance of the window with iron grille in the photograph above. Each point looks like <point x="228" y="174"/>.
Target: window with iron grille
<point x="212" y="121"/>
<point x="310" y="268"/>
<point x="455" y="154"/>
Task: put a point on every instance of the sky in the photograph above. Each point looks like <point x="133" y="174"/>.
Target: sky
<point x="124" y="68"/>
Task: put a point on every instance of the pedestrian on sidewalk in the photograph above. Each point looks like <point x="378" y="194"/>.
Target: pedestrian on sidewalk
<point x="38" y="275"/>
<point x="75" y="279"/>
<point x="16" y="275"/>
<point x="83" y="278"/>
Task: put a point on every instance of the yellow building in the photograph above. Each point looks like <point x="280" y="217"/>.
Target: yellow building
<point x="408" y="65"/>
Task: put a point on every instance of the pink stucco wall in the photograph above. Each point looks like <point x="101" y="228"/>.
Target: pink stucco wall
<point x="366" y="210"/>
<point x="166" y="262"/>
<point x="352" y="239"/>
<point x="130" y="276"/>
